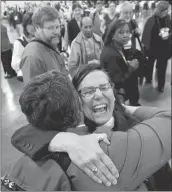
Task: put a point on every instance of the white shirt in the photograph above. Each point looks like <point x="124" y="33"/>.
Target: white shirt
<point x="16" y="57"/>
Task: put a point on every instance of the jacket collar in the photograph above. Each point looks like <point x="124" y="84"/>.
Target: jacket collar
<point x="79" y="38"/>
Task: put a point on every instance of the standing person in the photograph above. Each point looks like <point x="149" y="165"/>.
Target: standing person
<point x="6" y="53"/>
<point x="86" y="47"/>
<point x="97" y="17"/>
<point x="20" y="44"/>
<point x="16" y="20"/>
<point x="41" y="54"/>
<point x="137" y="10"/>
<point x="126" y="13"/>
<point x="157" y="42"/>
<point x="73" y="26"/>
<point x="153" y="6"/>
<point x="108" y="17"/>
<point x="122" y="71"/>
<point x="145" y="9"/>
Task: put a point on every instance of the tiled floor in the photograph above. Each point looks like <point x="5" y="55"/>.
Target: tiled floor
<point x="12" y="118"/>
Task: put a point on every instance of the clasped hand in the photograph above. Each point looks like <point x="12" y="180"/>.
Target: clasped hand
<point x="134" y="64"/>
<point x="85" y="152"/>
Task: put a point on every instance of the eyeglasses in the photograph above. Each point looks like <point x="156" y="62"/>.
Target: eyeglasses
<point x="53" y="28"/>
<point x="90" y="91"/>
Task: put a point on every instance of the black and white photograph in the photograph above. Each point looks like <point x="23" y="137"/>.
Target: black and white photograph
<point x="86" y="95"/>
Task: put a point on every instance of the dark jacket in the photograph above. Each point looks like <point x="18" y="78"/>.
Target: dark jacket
<point x="73" y="30"/>
<point x="120" y="72"/>
<point x="125" y="149"/>
<point x="153" y="43"/>
<point x="5" y="42"/>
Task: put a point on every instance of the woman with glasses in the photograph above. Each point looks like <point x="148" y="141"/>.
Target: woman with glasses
<point x="51" y="105"/>
<point x="122" y="70"/>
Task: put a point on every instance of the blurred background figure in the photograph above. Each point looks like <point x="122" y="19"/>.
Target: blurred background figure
<point x="75" y="22"/>
<point x="108" y="17"/>
<point x="6" y="53"/>
<point x="15" y="19"/>
<point x="97" y="18"/>
<point x="157" y="41"/>
<point x="20" y="44"/>
<point x="137" y="10"/>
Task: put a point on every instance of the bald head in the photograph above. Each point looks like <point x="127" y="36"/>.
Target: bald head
<point x="86" y="20"/>
<point x="87" y="27"/>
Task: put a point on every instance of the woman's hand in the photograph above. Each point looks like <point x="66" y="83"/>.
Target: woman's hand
<point x="94" y="61"/>
<point x="134" y="64"/>
<point x="85" y="152"/>
<point x="130" y="109"/>
<point x="137" y="32"/>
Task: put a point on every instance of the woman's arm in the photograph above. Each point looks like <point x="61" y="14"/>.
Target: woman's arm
<point x="138" y="154"/>
<point x="35" y="143"/>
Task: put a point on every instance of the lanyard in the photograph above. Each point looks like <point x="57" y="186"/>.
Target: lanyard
<point x="123" y="56"/>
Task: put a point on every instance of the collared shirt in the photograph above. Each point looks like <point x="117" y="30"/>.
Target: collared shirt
<point x="91" y="48"/>
<point x="18" y="49"/>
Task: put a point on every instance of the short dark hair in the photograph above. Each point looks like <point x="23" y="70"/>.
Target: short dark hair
<point x="83" y="71"/>
<point x="27" y="20"/>
<point x="113" y="26"/>
<point x="43" y="14"/>
<point x="50" y="102"/>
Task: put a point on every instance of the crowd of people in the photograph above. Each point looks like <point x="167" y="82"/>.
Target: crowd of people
<point x="79" y="71"/>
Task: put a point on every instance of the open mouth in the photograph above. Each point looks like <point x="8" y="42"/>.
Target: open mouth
<point x="100" y="109"/>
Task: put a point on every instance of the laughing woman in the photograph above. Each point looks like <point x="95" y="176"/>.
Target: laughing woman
<point x="51" y="105"/>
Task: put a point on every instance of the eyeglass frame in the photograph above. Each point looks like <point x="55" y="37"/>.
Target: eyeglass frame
<point x="53" y="28"/>
<point x="111" y="86"/>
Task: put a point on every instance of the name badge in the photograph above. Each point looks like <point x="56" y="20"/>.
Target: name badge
<point x="15" y="18"/>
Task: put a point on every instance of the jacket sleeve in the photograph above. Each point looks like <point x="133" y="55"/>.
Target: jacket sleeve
<point x="144" y="112"/>
<point x="142" y="150"/>
<point x="69" y="32"/>
<point x="43" y="175"/>
<point x="74" y="58"/>
<point x="32" y="141"/>
<point x="146" y="36"/>
<point x="17" y="55"/>
<point x="110" y="65"/>
<point x="137" y="154"/>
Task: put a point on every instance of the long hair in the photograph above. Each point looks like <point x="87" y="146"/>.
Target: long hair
<point x="113" y="26"/>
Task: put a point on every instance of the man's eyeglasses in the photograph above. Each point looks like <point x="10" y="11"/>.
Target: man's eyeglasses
<point x="53" y="28"/>
<point x="89" y="91"/>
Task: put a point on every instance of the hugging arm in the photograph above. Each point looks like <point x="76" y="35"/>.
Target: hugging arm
<point x="35" y="143"/>
<point x="148" y="148"/>
<point x="137" y="154"/>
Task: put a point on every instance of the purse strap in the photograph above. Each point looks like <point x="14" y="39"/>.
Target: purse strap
<point x="45" y="44"/>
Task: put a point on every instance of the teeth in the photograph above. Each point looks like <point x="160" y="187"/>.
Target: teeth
<point x="99" y="106"/>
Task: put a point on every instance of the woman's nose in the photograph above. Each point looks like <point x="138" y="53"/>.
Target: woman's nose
<point x="98" y="93"/>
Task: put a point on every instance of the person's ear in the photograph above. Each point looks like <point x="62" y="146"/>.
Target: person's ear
<point x="80" y="101"/>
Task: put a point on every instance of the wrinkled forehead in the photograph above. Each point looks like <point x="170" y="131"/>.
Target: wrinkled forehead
<point x="94" y="78"/>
